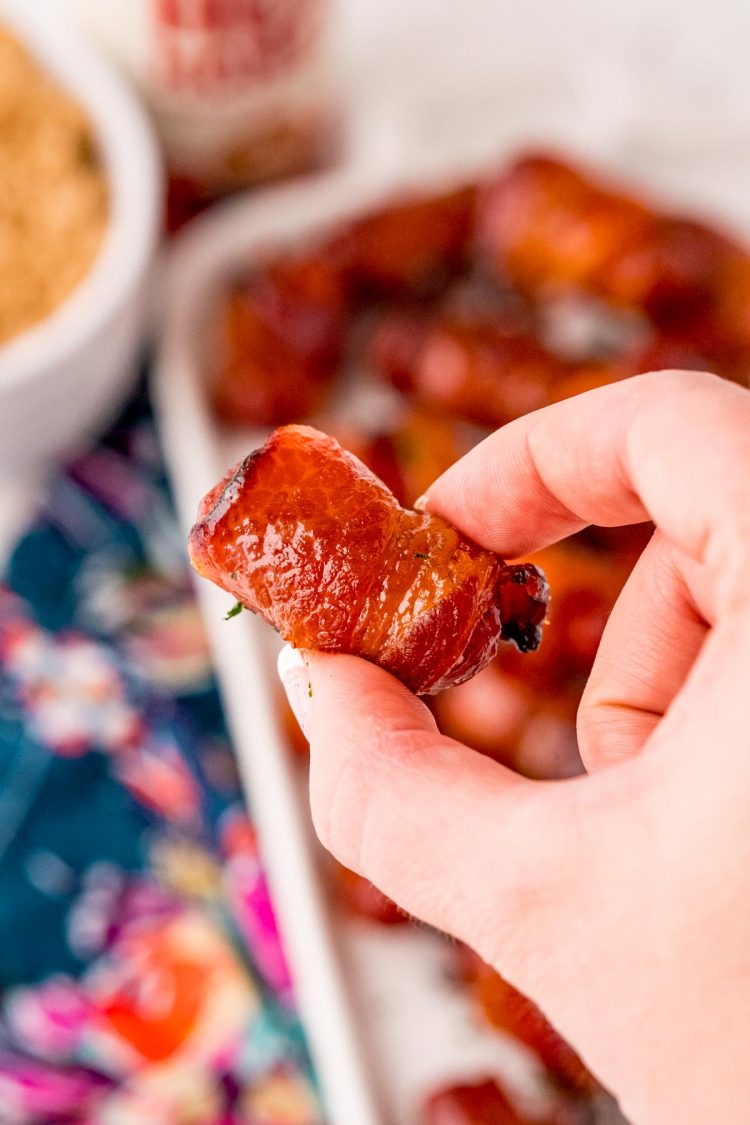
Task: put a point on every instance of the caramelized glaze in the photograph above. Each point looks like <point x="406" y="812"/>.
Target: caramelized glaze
<point x="303" y="534"/>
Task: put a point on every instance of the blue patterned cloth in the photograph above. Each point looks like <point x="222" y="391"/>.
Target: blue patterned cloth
<point x="142" y="975"/>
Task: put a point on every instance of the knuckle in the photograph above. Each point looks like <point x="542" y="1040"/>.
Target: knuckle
<point x="608" y="733"/>
<point x="728" y="556"/>
<point x="665" y="572"/>
<point x="593" y="720"/>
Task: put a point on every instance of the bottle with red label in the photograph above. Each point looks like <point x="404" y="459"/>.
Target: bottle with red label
<point x="241" y="90"/>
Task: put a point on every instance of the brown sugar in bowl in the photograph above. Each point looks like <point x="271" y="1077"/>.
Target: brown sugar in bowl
<point x="71" y="328"/>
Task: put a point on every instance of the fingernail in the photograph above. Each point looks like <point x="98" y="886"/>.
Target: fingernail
<point x="295" y="679"/>
<point x="420" y="504"/>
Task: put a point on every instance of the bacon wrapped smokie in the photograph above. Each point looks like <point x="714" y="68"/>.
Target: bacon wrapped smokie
<point x="303" y="534"/>
<point x="410" y="249"/>
<point x="471" y="1103"/>
<point x="508" y="1010"/>
<point x="484" y="1102"/>
<point x="281" y="335"/>
<point x="546" y="226"/>
<point x="486" y="373"/>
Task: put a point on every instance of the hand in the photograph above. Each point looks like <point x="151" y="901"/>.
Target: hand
<point x="620" y="901"/>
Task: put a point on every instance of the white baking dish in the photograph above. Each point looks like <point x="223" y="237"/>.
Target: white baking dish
<point x="385" y="1023"/>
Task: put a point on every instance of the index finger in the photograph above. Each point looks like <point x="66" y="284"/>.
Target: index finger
<point x="670" y="446"/>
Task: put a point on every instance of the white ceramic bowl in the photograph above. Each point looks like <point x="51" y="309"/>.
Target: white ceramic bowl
<point x="63" y="379"/>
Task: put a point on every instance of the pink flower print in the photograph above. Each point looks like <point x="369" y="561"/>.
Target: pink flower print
<point x="250" y="902"/>
<point x="14" y="630"/>
<point x="156" y="619"/>
<point x="175" y="991"/>
<point x="30" y="1091"/>
<point x="166" y="1098"/>
<point x="157" y="776"/>
<point x="95" y="910"/>
<point x="169" y="647"/>
<point x="111" y="903"/>
<point x="237" y="834"/>
<point x="72" y="691"/>
<point x="49" y="1019"/>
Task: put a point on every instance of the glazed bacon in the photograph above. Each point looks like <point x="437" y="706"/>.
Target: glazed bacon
<point x="510" y="1011"/>
<point x="358" y="895"/>
<point x="471" y="1103"/>
<point x="411" y="454"/>
<point x="303" y="534"/>
<point x="281" y="334"/>
<point x="459" y="286"/>
<point x="546" y="225"/>
<point x="485" y="371"/>
<point x="488" y="373"/>
<point x="484" y="1103"/>
<point x="410" y="249"/>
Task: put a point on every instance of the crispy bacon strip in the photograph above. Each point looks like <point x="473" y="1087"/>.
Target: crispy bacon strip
<point x="483" y="371"/>
<point x="484" y="1102"/>
<point x="303" y="534"/>
<point x="281" y="334"/>
<point x="409" y="456"/>
<point x="486" y="373"/>
<point x="411" y="248"/>
<point x="471" y="1103"/>
<point x="546" y="225"/>
<point x="510" y="1011"/>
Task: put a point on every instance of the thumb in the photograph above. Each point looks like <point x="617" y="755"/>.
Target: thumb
<point x="451" y="836"/>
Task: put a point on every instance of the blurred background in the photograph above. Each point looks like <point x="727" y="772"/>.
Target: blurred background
<point x="409" y="222"/>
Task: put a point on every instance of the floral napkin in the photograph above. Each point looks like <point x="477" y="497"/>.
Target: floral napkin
<point x="141" y="974"/>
